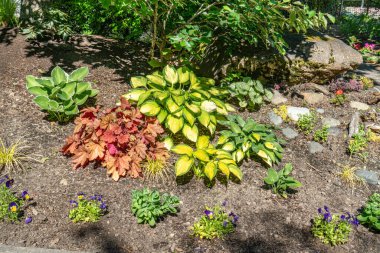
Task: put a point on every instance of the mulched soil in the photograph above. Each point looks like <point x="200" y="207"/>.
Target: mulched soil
<point x="267" y="223"/>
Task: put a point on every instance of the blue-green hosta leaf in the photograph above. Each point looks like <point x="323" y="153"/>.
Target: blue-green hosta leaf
<point x="59" y="76"/>
<point x="79" y="74"/>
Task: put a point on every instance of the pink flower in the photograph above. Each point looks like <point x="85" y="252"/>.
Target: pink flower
<point x="370" y="46"/>
<point x="112" y="149"/>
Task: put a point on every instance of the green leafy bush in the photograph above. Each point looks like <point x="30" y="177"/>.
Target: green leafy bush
<point x="358" y="142"/>
<point x="250" y="93"/>
<point x="247" y="138"/>
<point x="48" y="24"/>
<point x="87" y="210"/>
<point x="7" y="12"/>
<point x="62" y="94"/>
<point x="306" y="122"/>
<point x="11" y="206"/>
<point x="362" y="26"/>
<point x="205" y="160"/>
<point x="370" y="214"/>
<point x="333" y="229"/>
<point x="180" y="100"/>
<point x="215" y="223"/>
<point x="280" y="181"/>
<point x="150" y="206"/>
<point x="321" y="134"/>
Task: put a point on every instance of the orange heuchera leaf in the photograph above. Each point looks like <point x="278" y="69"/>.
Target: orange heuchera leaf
<point x="119" y="138"/>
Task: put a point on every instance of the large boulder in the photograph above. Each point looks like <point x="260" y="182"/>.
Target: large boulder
<point x="316" y="58"/>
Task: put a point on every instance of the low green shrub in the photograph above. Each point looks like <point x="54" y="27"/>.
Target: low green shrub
<point x="87" y="210"/>
<point x="362" y="26"/>
<point x="358" y="142"/>
<point x="307" y="122"/>
<point x="369" y="215"/>
<point x="321" y="135"/>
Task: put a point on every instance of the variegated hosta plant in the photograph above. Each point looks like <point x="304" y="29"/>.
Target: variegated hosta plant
<point x="247" y="138"/>
<point x="180" y="100"/>
<point x="205" y="158"/>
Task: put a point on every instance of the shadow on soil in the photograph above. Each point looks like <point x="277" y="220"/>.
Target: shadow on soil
<point x="105" y="243"/>
<point x="7" y="35"/>
<point x="125" y="58"/>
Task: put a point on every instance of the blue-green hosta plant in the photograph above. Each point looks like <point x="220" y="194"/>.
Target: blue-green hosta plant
<point x="180" y="100"/>
<point x="370" y="214"/>
<point x="206" y="160"/>
<point x="249" y="138"/>
<point x="62" y="94"/>
<point x="249" y="93"/>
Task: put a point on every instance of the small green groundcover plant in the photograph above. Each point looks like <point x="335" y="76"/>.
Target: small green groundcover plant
<point x="339" y="99"/>
<point x="215" y="223"/>
<point x="151" y="206"/>
<point x="280" y="181"/>
<point x="87" y="209"/>
<point x="321" y="134"/>
<point x="307" y="122"/>
<point x="62" y="94"/>
<point x="331" y="228"/>
<point x="11" y="205"/>
<point x="370" y="214"/>
<point x="358" y="142"/>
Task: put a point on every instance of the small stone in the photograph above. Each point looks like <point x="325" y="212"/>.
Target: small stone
<point x="63" y="182"/>
<point x="359" y="105"/>
<point x="288" y="220"/>
<point x="54" y="241"/>
<point x="289" y="133"/>
<point x="34" y="211"/>
<point x="315" y="147"/>
<point x="370" y="176"/>
<point x="278" y="98"/>
<point x="275" y="119"/>
<point x="354" y="124"/>
<point x="334" y="131"/>
<point x="171" y="235"/>
<point x="320" y="111"/>
<point x="331" y="122"/>
<point x="295" y="112"/>
<point x="312" y="97"/>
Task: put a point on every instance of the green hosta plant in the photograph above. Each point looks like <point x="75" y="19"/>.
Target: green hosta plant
<point x="149" y="206"/>
<point x="62" y="94"/>
<point x="247" y="138"/>
<point x="281" y="181"/>
<point x="250" y="93"/>
<point x="180" y="100"/>
<point x="205" y="158"/>
<point x="370" y="213"/>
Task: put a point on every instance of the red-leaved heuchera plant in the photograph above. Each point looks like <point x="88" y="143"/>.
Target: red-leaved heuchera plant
<point x="119" y="138"/>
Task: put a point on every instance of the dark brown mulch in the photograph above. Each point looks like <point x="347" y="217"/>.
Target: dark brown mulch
<point x="267" y="223"/>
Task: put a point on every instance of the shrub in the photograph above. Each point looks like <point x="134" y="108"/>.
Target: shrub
<point x="248" y="138"/>
<point x="306" y="122"/>
<point x="321" y="134"/>
<point x="362" y="26"/>
<point x="280" y="181"/>
<point x="62" y="94"/>
<point x="215" y="223"/>
<point x="120" y="139"/>
<point x="333" y="229"/>
<point x="180" y="100"/>
<point x="370" y="214"/>
<point x="207" y="159"/>
<point x="358" y="142"/>
<point x="249" y="93"/>
<point x="12" y="206"/>
<point x="87" y="210"/>
<point x="150" y="206"/>
<point x="7" y="12"/>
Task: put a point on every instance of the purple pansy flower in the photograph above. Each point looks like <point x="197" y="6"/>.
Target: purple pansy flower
<point x="103" y="206"/>
<point x="225" y="223"/>
<point x="13" y="207"/>
<point x="28" y="220"/>
<point x="73" y="203"/>
<point x="9" y="183"/>
<point x="25" y="195"/>
<point x="224" y="203"/>
<point x="209" y="213"/>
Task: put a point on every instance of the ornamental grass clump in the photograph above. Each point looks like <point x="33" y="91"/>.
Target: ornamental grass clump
<point x="215" y="223"/>
<point x="120" y="139"/>
<point x="349" y="177"/>
<point x="369" y="215"/>
<point x="333" y="229"/>
<point x="87" y="209"/>
<point x="12" y="205"/>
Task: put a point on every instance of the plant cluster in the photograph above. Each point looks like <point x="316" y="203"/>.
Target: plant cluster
<point x="250" y="93"/>
<point x="306" y="122"/>
<point x="280" y="181"/>
<point x="369" y="215"/>
<point x="120" y="139"/>
<point x="348" y="176"/>
<point x="249" y="138"/>
<point x="345" y="85"/>
<point x="331" y="228"/>
<point x="151" y="206"/>
<point x="363" y="26"/>
<point x="215" y="223"/>
<point x="7" y="12"/>
<point x="205" y="160"/>
<point x="358" y="142"/>
<point x="156" y="169"/>
<point x="282" y="111"/>
<point x="62" y="94"/>
<point x="11" y="205"/>
<point x="339" y="99"/>
<point x="180" y="100"/>
<point x="321" y="135"/>
<point x="87" y="210"/>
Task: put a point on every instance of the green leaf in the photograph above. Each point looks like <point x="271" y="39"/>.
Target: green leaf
<point x="201" y="155"/>
<point x="59" y="76"/>
<point x="82" y="87"/>
<point x="183" y="75"/>
<point x="150" y="108"/>
<point x="236" y="171"/>
<point x="32" y="82"/>
<point x="73" y="110"/>
<point x="39" y="91"/>
<point x="288" y="169"/>
<point x="155" y="79"/>
<point x="190" y="132"/>
<point x="170" y="74"/>
<point x="80" y="99"/>
<point x="42" y="102"/>
<point x="162" y="115"/>
<point x="182" y="149"/>
<point x="69" y="89"/>
<point x="204" y="118"/>
<point x="174" y="124"/>
<point x="203" y="142"/>
<point x="210" y="170"/>
<point x="79" y="74"/>
<point x="138" y="81"/>
<point x="183" y="165"/>
<point x="272" y="176"/>
<point x="189" y="116"/>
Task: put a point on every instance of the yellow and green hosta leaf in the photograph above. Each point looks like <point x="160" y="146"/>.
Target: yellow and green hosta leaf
<point x="211" y="127"/>
<point x="138" y="81"/>
<point x="150" y="108"/>
<point x="224" y="168"/>
<point x="204" y="118"/>
<point x="201" y="155"/>
<point x="162" y="115"/>
<point x="256" y="136"/>
<point x="203" y="142"/>
<point x="183" y="165"/>
<point x="190" y="132"/>
<point x="222" y="139"/>
<point x="170" y="74"/>
<point x="156" y="79"/>
<point x="264" y="156"/>
<point x="168" y="143"/>
<point x="174" y="124"/>
<point x="270" y="145"/>
<point x="183" y="74"/>
<point x="134" y="94"/>
<point x="210" y="170"/>
<point x="238" y="155"/>
<point x="229" y="146"/>
<point x="171" y="105"/>
<point x="193" y="108"/>
<point x="236" y="171"/>
<point x="190" y="118"/>
<point x="179" y="100"/>
<point x="182" y="149"/>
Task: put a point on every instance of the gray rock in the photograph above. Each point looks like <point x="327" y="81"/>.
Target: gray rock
<point x="275" y="119"/>
<point x="335" y="131"/>
<point x="313" y="98"/>
<point x="315" y="147"/>
<point x="320" y="110"/>
<point x="359" y="105"/>
<point x="375" y="89"/>
<point x="354" y="124"/>
<point x="278" y="98"/>
<point x="289" y="133"/>
<point x="331" y="122"/>
<point x="295" y="112"/>
<point x="370" y="177"/>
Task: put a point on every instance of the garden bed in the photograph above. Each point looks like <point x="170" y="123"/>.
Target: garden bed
<point x="267" y="223"/>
